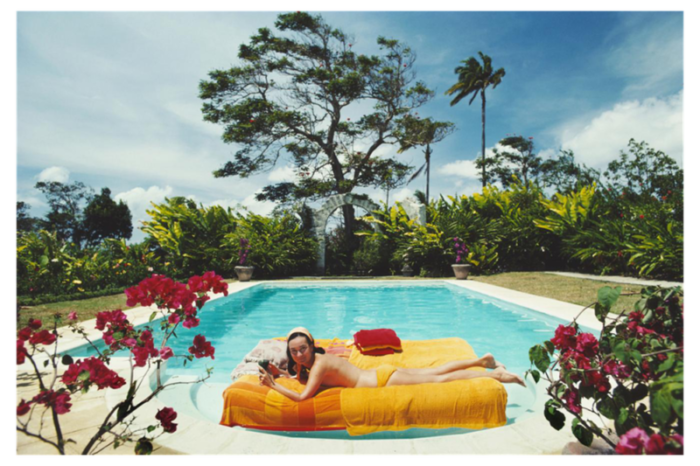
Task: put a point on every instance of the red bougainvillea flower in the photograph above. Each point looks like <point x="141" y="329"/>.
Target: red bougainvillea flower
<point x="173" y="319"/>
<point x="632" y="442"/>
<point x="34" y="324"/>
<point x="617" y="369"/>
<point x="597" y="380"/>
<point x="144" y="349"/>
<point x="44" y="337"/>
<point x="166" y="416"/>
<point x="619" y="253"/>
<point x="642" y="217"/>
<point x="573" y="401"/>
<point x="112" y="322"/>
<point x="98" y="374"/>
<point x="21" y="352"/>
<point x="23" y="407"/>
<point x="72" y="315"/>
<point x="564" y="337"/>
<point x="201" y="348"/>
<point x="59" y="400"/>
<point x="587" y="344"/>
<point x="166" y="353"/>
<point x="190" y="322"/>
<point x="25" y="334"/>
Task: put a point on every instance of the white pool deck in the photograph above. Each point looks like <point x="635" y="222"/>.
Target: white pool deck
<point x="530" y="435"/>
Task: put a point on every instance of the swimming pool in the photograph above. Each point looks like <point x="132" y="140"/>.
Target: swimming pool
<point x="235" y="324"/>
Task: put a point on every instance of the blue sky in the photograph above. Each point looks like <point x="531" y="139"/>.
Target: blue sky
<point x="110" y="99"/>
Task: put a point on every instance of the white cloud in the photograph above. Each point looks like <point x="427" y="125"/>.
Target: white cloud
<point x="139" y="199"/>
<point x="282" y="174"/>
<point x="58" y="174"/>
<point x="659" y="122"/>
<point x="461" y="168"/>
<point x="258" y="207"/>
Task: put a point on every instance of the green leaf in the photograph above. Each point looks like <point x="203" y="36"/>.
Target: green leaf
<point x="620" y="350"/>
<point x="535" y="375"/>
<point x="636" y="355"/>
<point x="583" y="435"/>
<point x="153" y="316"/>
<point x="601" y="312"/>
<point x="83" y="376"/>
<point x="143" y="447"/>
<point x="151" y="428"/>
<point x="622" y="417"/>
<point x="555" y="417"/>
<point x="661" y="406"/>
<point x="46" y="363"/>
<point x="608" y="408"/>
<point x="550" y="346"/>
<point x="43" y="260"/>
<point x="668" y="363"/>
<point x="638" y="393"/>
<point x="539" y="357"/>
<point x="67" y="360"/>
<point x="608" y="296"/>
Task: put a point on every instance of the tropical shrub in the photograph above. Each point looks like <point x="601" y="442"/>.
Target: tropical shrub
<point x="632" y="375"/>
<point x="191" y="237"/>
<point x="279" y="246"/>
<point x="177" y="303"/>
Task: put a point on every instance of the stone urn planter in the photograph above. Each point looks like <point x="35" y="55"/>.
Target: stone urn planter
<point x="406" y="271"/>
<point x="244" y="272"/>
<point x="461" y="270"/>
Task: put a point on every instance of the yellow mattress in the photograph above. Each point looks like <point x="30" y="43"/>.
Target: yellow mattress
<point x="473" y="404"/>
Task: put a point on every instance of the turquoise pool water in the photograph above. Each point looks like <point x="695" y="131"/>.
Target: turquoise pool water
<point x="236" y="323"/>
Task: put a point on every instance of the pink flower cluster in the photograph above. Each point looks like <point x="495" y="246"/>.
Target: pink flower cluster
<point x="143" y="348"/>
<point x="97" y="373"/>
<point x="183" y="299"/>
<point x="166" y="416"/>
<point x="114" y="322"/>
<point x="59" y="400"/>
<point x="34" y="337"/>
<point x="636" y="441"/>
<point x="201" y="348"/>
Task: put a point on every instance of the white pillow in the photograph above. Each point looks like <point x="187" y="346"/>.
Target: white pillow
<point x="274" y="351"/>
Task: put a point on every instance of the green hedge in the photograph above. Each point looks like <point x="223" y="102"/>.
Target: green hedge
<point x="57" y="298"/>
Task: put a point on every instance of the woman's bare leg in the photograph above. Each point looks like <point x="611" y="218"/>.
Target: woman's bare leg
<point x="487" y="361"/>
<point x="401" y="377"/>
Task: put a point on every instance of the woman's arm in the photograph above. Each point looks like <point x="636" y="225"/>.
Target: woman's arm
<point x="275" y="371"/>
<point x="312" y="385"/>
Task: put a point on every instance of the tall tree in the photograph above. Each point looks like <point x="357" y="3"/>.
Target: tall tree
<point x="417" y="133"/>
<point x="65" y="202"/>
<point x="104" y="218"/>
<point x="295" y="96"/>
<point x="565" y="175"/>
<point x="24" y="221"/>
<point x="517" y="158"/>
<point x="474" y="78"/>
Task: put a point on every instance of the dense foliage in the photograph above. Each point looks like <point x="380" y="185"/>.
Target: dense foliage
<point x="630" y="379"/>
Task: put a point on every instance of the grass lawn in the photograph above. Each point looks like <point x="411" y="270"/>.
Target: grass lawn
<point x="572" y="290"/>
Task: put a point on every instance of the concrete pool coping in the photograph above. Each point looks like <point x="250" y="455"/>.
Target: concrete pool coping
<point x="532" y="435"/>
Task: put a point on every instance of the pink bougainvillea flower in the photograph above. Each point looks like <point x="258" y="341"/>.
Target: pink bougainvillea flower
<point x="564" y="337"/>
<point x="99" y="374"/>
<point x="25" y="334"/>
<point x="166" y="416"/>
<point x="173" y="319"/>
<point x="34" y="324"/>
<point x="44" y="337"/>
<point x="72" y="315"/>
<point x="166" y="353"/>
<point x="59" y="400"/>
<point x="573" y="401"/>
<point x="587" y="344"/>
<point x="128" y="342"/>
<point x="23" y="407"/>
<point x="632" y="442"/>
<point x="201" y="348"/>
<point x="190" y="322"/>
<point x="21" y="352"/>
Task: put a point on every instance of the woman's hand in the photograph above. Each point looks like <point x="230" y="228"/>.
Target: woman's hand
<point x="274" y="370"/>
<point x="266" y="378"/>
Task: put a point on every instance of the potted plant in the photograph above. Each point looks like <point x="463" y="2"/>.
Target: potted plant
<point x="243" y="271"/>
<point x="461" y="267"/>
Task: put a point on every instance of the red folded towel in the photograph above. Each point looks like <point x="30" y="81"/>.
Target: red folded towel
<point x="377" y="342"/>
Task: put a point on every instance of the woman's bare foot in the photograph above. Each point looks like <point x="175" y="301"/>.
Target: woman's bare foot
<point x="504" y="376"/>
<point x="490" y="362"/>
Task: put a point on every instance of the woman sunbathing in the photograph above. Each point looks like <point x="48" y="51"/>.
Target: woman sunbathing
<point x="317" y="369"/>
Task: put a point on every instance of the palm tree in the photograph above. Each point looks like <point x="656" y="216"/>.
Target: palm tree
<point x="417" y="132"/>
<point x="474" y="78"/>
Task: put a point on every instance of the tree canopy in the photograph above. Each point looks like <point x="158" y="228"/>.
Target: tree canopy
<point x="294" y="97"/>
<point x="104" y="218"/>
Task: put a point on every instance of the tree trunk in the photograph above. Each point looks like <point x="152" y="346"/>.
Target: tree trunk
<point x="349" y="219"/>
<point x="483" y="138"/>
<point x="427" y="175"/>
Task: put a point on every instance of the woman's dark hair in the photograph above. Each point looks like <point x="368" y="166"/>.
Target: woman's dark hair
<point x="291" y="365"/>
